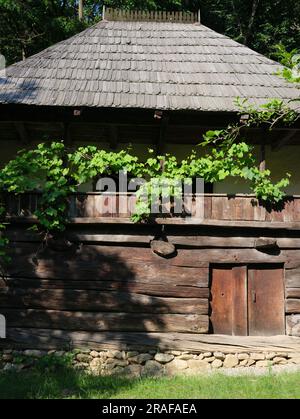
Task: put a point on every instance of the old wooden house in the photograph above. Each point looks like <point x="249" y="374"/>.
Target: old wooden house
<point x="155" y="80"/>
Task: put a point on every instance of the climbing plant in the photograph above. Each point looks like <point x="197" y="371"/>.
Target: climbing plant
<point x="291" y="62"/>
<point x="57" y="171"/>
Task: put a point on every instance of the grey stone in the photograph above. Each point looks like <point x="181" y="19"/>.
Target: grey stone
<point x="210" y="359"/>
<point x="140" y="359"/>
<point x="94" y="354"/>
<point x="243" y="356"/>
<point x="96" y="366"/>
<point x="185" y="357"/>
<point x="114" y="354"/>
<point x="282" y="354"/>
<point x="257" y="356"/>
<point x="231" y="361"/>
<point x="279" y="360"/>
<point x="131" y="354"/>
<point x="270" y="355"/>
<point x="121" y="363"/>
<point x="110" y="361"/>
<point x="83" y="358"/>
<point x="153" y="369"/>
<point x="132" y="371"/>
<point x="207" y="354"/>
<point x="219" y="355"/>
<point x="34" y="353"/>
<point x="217" y="363"/>
<point x="163" y="358"/>
<point x="265" y="363"/>
<point x="244" y="362"/>
<point x="176" y="365"/>
<point x="196" y="366"/>
<point x="250" y="362"/>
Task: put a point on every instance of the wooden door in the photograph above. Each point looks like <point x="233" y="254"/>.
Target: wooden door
<point x="265" y="301"/>
<point x="247" y="300"/>
<point x="229" y="300"/>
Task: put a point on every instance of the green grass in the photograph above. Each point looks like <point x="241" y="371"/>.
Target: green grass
<point x="67" y="383"/>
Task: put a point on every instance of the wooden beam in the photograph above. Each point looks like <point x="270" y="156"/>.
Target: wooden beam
<point x="9" y="113"/>
<point x="262" y="163"/>
<point x="164" y="123"/>
<point x="113" y="137"/>
<point x="274" y="225"/>
<point x="284" y="140"/>
<point x="67" y="135"/>
<point x="22" y="132"/>
<point x="192" y="342"/>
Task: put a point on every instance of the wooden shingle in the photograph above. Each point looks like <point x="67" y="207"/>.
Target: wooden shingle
<point x="153" y="65"/>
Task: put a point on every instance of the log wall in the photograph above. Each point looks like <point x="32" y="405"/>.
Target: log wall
<point x="216" y="208"/>
<point x="107" y="284"/>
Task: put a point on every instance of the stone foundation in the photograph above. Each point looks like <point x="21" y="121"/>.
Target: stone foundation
<point x="139" y="364"/>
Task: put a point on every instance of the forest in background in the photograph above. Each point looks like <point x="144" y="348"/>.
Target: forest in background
<point x="29" y="26"/>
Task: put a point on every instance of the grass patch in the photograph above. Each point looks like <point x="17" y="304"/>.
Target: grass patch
<point x="66" y="383"/>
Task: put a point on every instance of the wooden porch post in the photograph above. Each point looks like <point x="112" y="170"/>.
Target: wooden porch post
<point x="262" y="158"/>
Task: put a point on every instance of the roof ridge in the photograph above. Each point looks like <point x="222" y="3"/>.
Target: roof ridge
<point x="115" y="14"/>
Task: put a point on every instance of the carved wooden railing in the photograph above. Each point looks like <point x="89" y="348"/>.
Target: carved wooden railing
<point x="217" y="207"/>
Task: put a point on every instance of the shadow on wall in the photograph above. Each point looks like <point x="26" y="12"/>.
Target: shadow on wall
<point x="82" y="296"/>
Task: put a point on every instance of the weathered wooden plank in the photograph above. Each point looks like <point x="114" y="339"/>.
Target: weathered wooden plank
<point x="94" y="265"/>
<point x="293" y="306"/>
<point x="90" y="257"/>
<point x="292" y="278"/>
<point x="97" y="322"/>
<point x="266" y="301"/>
<point x="230" y="241"/>
<point x="54" y="339"/>
<point x="275" y="216"/>
<point x="207" y="207"/>
<point x="292" y="293"/>
<point x="163" y="289"/>
<point x="90" y="300"/>
<point x="293" y="325"/>
<point x="294" y="225"/>
<point x="220" y="239"/>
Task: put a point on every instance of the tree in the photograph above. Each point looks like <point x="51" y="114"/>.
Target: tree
<point x="28" y="26"/>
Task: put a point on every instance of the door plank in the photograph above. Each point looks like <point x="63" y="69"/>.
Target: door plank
<point x="221" y="301"/>
<point x="239" y="301"/>
<point x="229" y="300"/>
<point x="265" y="301"/>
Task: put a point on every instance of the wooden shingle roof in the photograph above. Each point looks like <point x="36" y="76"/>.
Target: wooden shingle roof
<point x="154" y="65"/>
